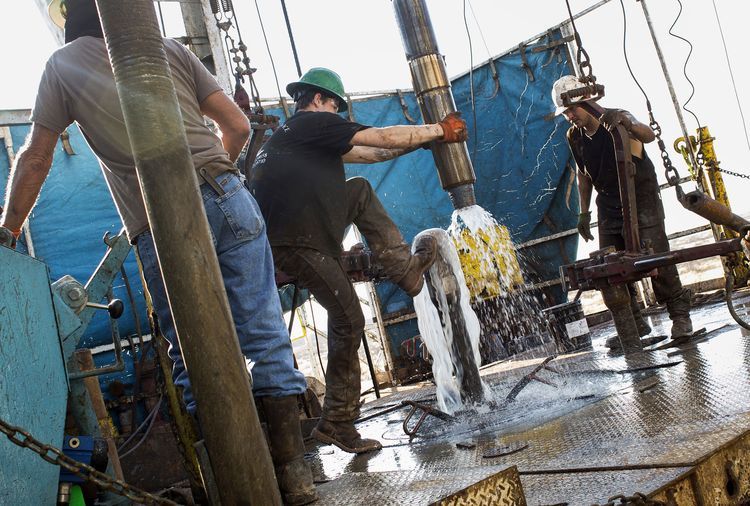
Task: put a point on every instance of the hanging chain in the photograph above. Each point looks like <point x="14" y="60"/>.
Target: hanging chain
<point x="226" y="20"/>
<point x="731" y="173"/>
<point x="670" y="172"/>
<point x="22" y="438"/>
<point x="582" y="57"/>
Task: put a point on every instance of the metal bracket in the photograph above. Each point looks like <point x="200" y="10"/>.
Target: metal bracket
<point x="65" y="139"/>
<point x="524" y="62"/>
<point x="404" y="107"/>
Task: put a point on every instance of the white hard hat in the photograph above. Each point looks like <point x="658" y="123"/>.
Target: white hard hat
<point x="563" y="85"/>
<point x="56" y="10"/>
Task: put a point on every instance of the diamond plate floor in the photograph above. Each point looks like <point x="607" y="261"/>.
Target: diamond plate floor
<point x="610" y="425"/>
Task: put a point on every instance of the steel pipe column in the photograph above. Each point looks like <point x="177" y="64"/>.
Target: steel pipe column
<point x="433" y="91"/>
<point x="239" y="455"/>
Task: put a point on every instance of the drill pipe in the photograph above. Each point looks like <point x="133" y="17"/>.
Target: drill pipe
<point x="714" y="211"/>
<point x="433" y="91"/>
<point x="239" y="455"/>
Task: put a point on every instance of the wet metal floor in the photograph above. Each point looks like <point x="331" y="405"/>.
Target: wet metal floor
<point x="605" y="425"/>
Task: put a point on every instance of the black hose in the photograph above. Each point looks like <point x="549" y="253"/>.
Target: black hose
<point x="730" y="304"/>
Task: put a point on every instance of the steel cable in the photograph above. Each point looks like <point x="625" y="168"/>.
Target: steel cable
<point x="471" y="83"/>
<point x="684" y="67"/>
<point x="731" y="74"/>
<point x="268" y="48"/>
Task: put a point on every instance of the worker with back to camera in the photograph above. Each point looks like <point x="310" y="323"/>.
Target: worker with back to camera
<point x="299" y="182"/>
<point x="78" y="86"/>
<point x="592" y="146"/>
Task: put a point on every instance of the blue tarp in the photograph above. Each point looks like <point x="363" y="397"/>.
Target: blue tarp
<point x="68" y="223"/>
<point x="520" y="157"/>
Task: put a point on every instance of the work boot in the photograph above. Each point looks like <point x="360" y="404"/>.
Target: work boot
<point x="682" y="326"/>
<point x="423" y="257"/>
<point x="613" y="342"/>
<point x="679" y="312"/>
<point x="345" y="436"/>
<point x="293" y="474"/>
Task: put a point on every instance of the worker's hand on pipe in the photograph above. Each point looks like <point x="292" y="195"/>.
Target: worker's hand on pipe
<point x="613" y="117"/>
<point x="454" y="128"/>
<point x="584" y="226"/>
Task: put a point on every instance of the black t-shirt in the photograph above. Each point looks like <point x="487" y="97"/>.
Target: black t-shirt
<point x="299" y="182"/>
<point x="595" y="158"/>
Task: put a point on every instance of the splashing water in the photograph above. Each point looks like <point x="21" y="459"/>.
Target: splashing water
<point x="511" y="318"/>
<point x="486" y="251"/>
<point x="438" y="336"/>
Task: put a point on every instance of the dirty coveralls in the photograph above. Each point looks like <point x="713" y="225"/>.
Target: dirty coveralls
<point x="299" y="182"/>
<point x="595" y="158"/>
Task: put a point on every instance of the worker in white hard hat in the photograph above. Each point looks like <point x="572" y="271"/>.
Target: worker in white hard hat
<point x="593" y="150"/>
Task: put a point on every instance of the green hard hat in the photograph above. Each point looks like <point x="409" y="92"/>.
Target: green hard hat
<point x="324" y="80"/>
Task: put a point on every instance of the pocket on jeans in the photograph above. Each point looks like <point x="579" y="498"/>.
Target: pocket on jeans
<point x="241" y="212"/>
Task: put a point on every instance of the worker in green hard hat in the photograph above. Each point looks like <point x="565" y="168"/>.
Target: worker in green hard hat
<point x="593" y="150"/>
<point x="299" y="182"/>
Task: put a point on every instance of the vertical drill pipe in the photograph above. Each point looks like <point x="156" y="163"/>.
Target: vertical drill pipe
<point x="239" y="455"/>
<point x="433" y="91"/>
<point x="668" y="79"/>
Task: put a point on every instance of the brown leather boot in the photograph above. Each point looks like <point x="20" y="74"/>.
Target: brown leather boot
<point x="293" y="474"/>
<point x="679" y="312"/>
<point x="424" y="256"/>
<point x="345" y="436"/>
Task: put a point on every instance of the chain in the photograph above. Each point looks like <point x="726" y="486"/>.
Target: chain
<point x="23" y="439"/>
<point x="226" y="19"/>
<point x="582" y="57"/>
<point x="670" y="172"/>
<point x="731" y="173"/>
<point x="636" y="499"/>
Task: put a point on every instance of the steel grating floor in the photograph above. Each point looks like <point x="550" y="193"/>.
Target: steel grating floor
<point x="610" y="425"/>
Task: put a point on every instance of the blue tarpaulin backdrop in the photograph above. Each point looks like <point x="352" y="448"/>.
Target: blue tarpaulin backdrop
<point x="518" y="149"/>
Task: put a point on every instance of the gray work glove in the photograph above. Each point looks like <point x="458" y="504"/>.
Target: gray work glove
<point x="613" y="117"/>
<point x="584" y="226"/>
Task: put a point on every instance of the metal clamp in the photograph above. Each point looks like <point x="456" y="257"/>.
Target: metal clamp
<point x="426" y="410"/>
<point x="530" y="377"/>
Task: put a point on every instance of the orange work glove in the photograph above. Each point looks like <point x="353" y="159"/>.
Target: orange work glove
<point x="454" y="128"/>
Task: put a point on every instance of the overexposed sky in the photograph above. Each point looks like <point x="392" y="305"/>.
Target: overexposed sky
<point x="360" y="40"/>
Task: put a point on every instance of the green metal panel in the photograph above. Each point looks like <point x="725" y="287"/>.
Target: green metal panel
<point x="33" y="388"/>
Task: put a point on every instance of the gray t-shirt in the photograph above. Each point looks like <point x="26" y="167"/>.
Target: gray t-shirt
<point x="78" y="85"/>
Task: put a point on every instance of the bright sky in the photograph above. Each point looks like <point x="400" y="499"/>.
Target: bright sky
<point x="360" y="40"/>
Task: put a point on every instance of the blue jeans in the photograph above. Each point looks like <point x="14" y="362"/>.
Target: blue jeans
<point x="239" y="236"/>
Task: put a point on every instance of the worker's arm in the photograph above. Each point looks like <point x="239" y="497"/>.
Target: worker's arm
<point x="635" y="128"/>
<point x="29" y="170"/>
<point x="232" y="122"/>
<point x="584" y="191"/>
<point x="398" y="137"/>
<point x="373" y="145"/>
<point x="368" y="154"/>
